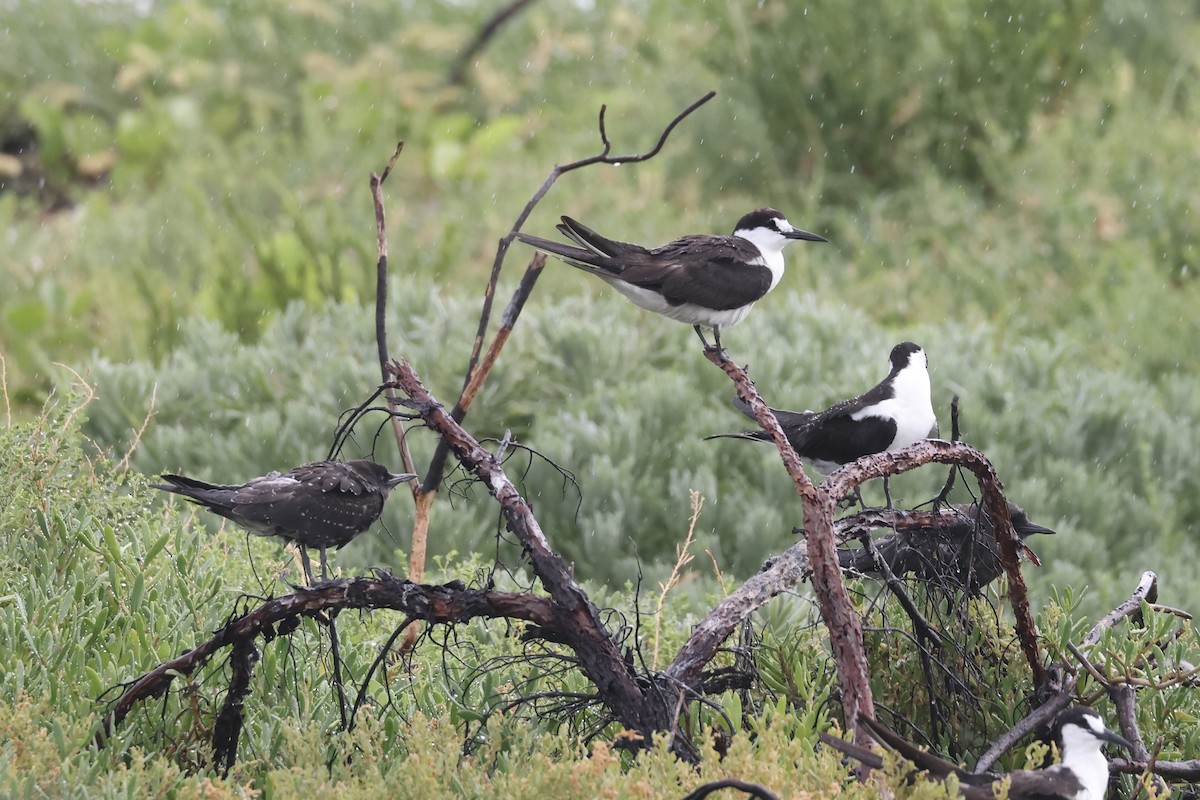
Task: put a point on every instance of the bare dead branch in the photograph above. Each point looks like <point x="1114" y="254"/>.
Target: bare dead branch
<point x="578" y="623"/>
<point x="381" y="297"/>
<point x="227" y="729"/>
<point x="438" y="604"/>
<point x="507" y="321"/>
<point x="1185" y="771"/>
<point x="842" y="622"/>
<point x="1147" y="590"/>
<point x="707" y="636"/>
<point x="943" y="496"/>
<point x="1124" y="697"/>
<point x="1040" y="717"/>
<point x="1088" y="666"/>
<point x="1059" y="697"/>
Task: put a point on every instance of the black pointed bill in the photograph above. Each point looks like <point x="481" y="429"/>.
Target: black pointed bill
<point x="796" y="233"/>
<point x="1115" y="738"/>
<point x="397" y="478"/>
<point x="1030" y="528"/>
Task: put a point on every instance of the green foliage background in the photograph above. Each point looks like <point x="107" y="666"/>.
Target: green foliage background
<point x="1014" y="187"/>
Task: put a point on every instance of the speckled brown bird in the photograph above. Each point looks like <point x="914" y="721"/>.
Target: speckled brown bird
<point x="963" y="553"/>
<point x="323" y="504"/>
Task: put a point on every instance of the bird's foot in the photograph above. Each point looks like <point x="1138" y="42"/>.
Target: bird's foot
<point x="852" y="500"/>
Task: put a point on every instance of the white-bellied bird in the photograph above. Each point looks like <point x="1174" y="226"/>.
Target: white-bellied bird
<point x="894" y="414"/>
<point x="1081" y="775"/>
<point x="703" y="280"/>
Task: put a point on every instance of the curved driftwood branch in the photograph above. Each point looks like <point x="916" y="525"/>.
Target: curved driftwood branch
<point x="841" y="620"/>
<point x="447" y="603"/>
<point x="579" y="623"/>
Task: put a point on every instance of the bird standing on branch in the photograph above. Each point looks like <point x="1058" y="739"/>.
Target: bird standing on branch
<point x="322" y="504"/>
<point x="961" y="551"/>
<point x="703" y="280"/>
<point x="896" y="413"/>
<point x="1081" y="775"/>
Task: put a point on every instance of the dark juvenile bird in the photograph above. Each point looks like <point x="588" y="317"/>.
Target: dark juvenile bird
<point x="1081" y="775"/>
<point x="957" y="547"/>
<point x="894" y="414"/>
<point x="703" y="280"/>
<point x="322" y="504"/>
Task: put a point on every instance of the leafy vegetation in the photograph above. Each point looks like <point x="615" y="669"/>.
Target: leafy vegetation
<point x="188" y="223"/>
<point x="103" y="584"/>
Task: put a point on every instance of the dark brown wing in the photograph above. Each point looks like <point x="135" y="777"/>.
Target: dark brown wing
<point x="711" y="271"/>
<point x="840" y="440"/>
<point x="832" y="435"/>
<point x="323" y="504"/>
<point x="1052" y="783"/>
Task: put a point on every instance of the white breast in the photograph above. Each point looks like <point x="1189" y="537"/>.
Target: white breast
<point x="911" y="407"/>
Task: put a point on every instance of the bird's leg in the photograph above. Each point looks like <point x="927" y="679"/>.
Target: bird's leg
<point x="306" y="564"/>
<point x="887" y="493"/>
<point x="324" y="566"/>
<point x="717" y="336"/>
<point x="700" y="333"/>
<point x="855" y="499"/>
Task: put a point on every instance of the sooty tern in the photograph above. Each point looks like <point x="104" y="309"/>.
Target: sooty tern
<point x="1081" y="775"/>
<point x="955" y="547"/>
<point x="703" y="280"/>
<point x="322" y="504"/>
<point x="896" y="413"/>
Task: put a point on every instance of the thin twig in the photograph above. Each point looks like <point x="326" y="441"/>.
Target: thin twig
<point x="458" y="73"/>
<point x="1088" y="666"/>
<point x="921" y="626"/>
<point x="376" y="664"/>
<point x="943" y="496"/>
<point x="1123" y="697"/>
<point x="1039" y="718"/>
<point x="682" y="559"/>
<point x="837" y="612"/>
<point x="752" y="789"/>
<point x="4" y="386"/>
<point x="381" y="297"/>
<point x="123" y="464"/>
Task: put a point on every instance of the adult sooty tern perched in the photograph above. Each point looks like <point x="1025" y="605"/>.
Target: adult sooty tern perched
<point x="894" y="414"/>
<point x="703" y="280"/>
<point x="1081" y="775"/>
<point x="322" y="504"/>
